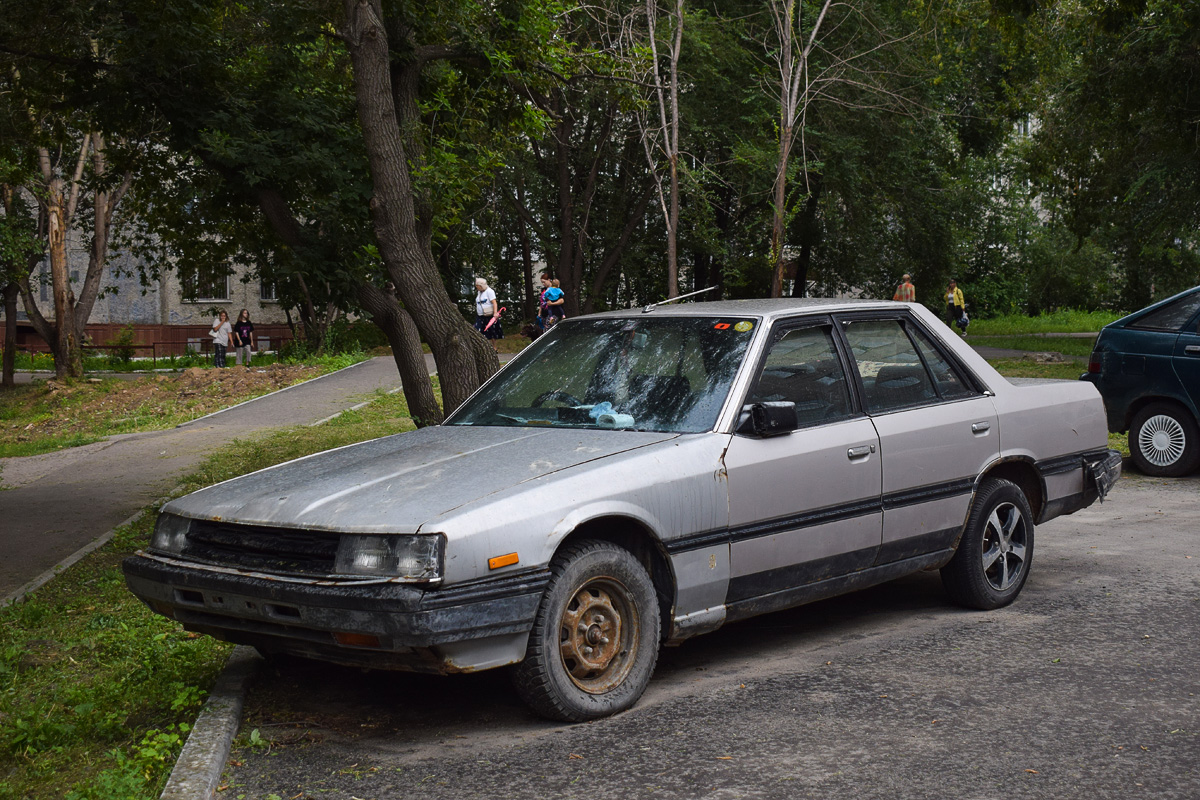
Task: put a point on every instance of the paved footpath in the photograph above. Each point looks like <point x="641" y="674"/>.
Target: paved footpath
<point x="54" y="504"/>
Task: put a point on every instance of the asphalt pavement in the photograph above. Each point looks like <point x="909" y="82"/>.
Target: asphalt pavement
<point x="1084" y="688"/>
<point x="52" y="505"/>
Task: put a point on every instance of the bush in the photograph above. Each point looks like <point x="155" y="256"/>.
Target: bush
<point x="121" y="347"/>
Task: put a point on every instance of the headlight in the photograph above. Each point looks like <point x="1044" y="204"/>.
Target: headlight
<point x="170" y="533"/>
<point x="416" y="558"/>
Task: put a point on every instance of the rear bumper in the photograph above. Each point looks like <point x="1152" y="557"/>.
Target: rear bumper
<point x="1093" y="474"/>
<point x="399" y="626"/>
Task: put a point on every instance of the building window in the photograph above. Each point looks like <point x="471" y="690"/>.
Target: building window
<point x="205" y="284"/>
<point x="267" y="292"/>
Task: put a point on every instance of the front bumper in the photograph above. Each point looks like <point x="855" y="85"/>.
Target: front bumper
<point x="445" y="629"/>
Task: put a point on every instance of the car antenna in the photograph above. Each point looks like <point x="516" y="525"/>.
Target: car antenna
<point x="652" y="306"/>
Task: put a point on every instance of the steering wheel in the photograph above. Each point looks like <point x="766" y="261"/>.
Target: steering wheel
<point x="556" y="394"/>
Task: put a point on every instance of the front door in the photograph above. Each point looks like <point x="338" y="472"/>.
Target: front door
<point x="804" y="506"/>
<point x="1187" y="361"/>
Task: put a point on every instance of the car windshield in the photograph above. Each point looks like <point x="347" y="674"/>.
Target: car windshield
<point x="654" y="374"/>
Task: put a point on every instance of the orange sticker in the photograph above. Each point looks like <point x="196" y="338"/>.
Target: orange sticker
<point x="722" y="326"/>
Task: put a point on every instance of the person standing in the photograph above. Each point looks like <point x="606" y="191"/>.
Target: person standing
<point x="906" y="292"/>
<point x="487" y="312"/>
<point x="243" y="337"/>
<point x="956" y="307"/>
<point x="554" y="298"/>
<point x="222" y="336"/>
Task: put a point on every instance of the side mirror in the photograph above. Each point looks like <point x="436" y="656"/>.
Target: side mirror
<point x="768" y="419"/>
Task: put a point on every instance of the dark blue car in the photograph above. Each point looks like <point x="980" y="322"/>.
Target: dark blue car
<point x="1147" y="368"/>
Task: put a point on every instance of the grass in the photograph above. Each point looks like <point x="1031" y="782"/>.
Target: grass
<point x="1066" y="321"/>
<point x="1080" y="348"/>
<point x="96" y="692"/>
<point x="1024" y="368"/>
<point x="47" y="416"/>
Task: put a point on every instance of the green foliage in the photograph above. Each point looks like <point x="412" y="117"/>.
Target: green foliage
<point x="121" y="347"/>
<point x="1063" y="321"/>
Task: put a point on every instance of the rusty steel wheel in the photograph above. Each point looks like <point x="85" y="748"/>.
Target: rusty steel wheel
<point x="595" y="640"/>
<point x="597" y="644"/>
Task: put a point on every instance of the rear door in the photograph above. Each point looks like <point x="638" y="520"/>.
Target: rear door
<point x="937" y="431"/>
<point x="803" y="506"/>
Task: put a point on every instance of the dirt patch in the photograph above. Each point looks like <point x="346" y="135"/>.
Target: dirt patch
<point x="91" y="408"/>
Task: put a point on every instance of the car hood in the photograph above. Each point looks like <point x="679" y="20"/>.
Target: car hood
<point x="396" y="483"/>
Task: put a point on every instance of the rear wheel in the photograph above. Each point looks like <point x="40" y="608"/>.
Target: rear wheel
<point x="1164" y="441"/>
<point x="595" y="641"/>
<point x="993" y="557"/>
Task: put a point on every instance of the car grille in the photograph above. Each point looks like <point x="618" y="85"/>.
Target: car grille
<point x="286" y="550"/>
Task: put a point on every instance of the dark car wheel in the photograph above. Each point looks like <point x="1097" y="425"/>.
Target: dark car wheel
<point x="595" y="641"/>
<point x="1164" y="441"/>
<point x="995" y="552"/>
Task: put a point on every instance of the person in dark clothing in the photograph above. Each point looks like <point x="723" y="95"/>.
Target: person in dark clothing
<point x="243" y="337"/>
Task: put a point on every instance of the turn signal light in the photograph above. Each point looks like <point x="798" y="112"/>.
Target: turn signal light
<point x="502" y="561"/>
<point x="357" y="639"/>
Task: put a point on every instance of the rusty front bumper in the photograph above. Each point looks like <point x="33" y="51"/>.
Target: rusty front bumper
<point x="386" y="625"/>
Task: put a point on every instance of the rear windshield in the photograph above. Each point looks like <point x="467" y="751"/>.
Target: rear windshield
<point x="654" y="374"/>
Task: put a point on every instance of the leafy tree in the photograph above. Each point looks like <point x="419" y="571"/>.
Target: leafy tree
<point x="1117" y="152"/>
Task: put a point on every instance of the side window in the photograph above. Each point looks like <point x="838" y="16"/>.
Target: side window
<point x="892" y="373"/>
<point x="1171" y="317"/>
<point x="803" y="367"/>
<point x="950" y="384"/>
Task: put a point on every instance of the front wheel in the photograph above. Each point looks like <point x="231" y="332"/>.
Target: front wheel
<point x="1164" y="441"/>
<point x="595" y="641"/>
<point x="995" y="552"/>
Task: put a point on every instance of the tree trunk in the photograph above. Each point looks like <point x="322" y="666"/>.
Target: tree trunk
<point x="405" y="340"/>
<point x="808" y="239"/>
<point x="779" y="211"/>
<point x="68" y="360"/>
<point x="10" y="334"/>
<point x="463" y="357"/>
<point x="530" y="294"/>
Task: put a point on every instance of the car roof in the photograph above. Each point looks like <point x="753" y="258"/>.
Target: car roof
<point x="766" y="308"/>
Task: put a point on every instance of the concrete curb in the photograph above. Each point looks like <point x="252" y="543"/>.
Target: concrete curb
<point x="198" y="769"/>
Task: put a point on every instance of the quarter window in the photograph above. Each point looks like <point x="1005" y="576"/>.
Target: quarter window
<point x="1171" y="317"/>
<point x="802" y="367"/>
<point x="949" y="384"/>
<point x="891" y="370"/>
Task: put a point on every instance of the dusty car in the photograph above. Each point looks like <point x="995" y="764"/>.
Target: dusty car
<point x="633" y="479"/>
<point x="1147" y="368"/>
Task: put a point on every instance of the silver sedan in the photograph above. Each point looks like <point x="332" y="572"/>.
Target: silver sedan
<point x="631" y="480"/>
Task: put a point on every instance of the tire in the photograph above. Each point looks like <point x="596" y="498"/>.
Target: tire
<point x="595" y="640"/>
<point x="996" y="550"/>
<point x="1164" y="441"/>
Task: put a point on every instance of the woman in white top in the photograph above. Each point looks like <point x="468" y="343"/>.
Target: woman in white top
<point x="222" y="334"/>
<point x="487" y="312"/>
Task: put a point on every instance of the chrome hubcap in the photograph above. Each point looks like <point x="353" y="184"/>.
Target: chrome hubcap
<point x="1161" y="440"/>
<point x="1004" y="543"/>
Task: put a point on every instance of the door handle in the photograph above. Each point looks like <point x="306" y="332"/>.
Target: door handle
<point x="1194" y="349"/>
<point x="860" y="452"/>
<point x="980" y="427"/>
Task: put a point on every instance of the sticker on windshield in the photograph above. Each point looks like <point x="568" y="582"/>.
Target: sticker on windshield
<point x="743" y="326"/>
